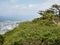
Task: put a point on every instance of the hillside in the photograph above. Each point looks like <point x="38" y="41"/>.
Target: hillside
<point x="33" y="33"/>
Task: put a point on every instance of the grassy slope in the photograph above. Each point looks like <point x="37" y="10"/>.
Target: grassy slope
<point x="32" y="32"/>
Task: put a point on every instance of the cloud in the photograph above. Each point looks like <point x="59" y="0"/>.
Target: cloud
<point x="13" y="1"/>
<point x="46" y="4"/>
<point x="31" y="5"/>
<point x="23" y="9"/>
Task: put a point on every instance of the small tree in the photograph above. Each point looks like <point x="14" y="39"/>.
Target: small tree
<point x="52" y="13"/>
<point x="48" y="14"/>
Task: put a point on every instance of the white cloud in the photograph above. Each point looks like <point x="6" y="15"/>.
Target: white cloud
<point x="22" y="9"/>
<point x="31" y="5"/>
<point x="47" y="4"/>
<point x="13" y="1"/>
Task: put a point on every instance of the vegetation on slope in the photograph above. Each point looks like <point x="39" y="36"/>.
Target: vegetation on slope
<point x="29" y="33"/>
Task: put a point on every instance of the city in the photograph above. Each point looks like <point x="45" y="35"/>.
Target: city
<point x="7" y="26"/>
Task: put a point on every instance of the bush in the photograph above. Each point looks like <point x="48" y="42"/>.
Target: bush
<point x="1" y="40"/>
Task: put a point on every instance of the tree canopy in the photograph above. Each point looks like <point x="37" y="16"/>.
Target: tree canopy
<point x="52" y="13"/>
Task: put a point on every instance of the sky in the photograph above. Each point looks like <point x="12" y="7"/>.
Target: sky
<point x="25" y="8"/>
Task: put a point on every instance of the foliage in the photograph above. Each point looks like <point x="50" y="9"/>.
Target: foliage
<point x="1" y="39"/>
<point x="52" y="14"/>
<point x="30" y="33"/>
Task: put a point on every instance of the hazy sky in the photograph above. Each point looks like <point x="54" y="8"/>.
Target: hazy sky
<point x="24" y="7"/>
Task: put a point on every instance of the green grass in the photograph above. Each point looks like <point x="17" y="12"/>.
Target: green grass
<point x="36" y="32"/>
<point x="30" y="33"/>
